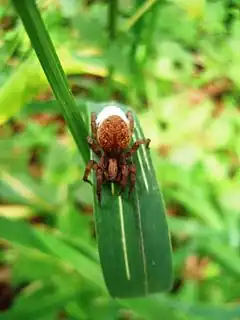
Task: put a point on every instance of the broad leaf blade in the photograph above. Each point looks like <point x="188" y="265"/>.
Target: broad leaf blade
<point x="133" y="236"/>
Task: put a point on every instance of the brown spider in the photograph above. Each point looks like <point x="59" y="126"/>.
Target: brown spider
<point x="112" y="131"/>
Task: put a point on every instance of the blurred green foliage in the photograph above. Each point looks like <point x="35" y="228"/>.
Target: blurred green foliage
<point x="177" y="63"/>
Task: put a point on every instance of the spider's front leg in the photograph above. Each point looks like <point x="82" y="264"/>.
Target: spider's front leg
<point x="100" y="180"/>
<point x="94" y="146"/>
<point x="131" y="121"/>
<point x="94" y="125"/>
<point x="92" y="141"/>
<point x="91" y="165"/>
<point x="136" y="145"/>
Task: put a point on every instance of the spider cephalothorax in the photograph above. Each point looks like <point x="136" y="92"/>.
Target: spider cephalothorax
<point x="112" y="131"/>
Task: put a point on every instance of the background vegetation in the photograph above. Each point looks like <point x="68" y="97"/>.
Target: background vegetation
<point x="176" y="62"/>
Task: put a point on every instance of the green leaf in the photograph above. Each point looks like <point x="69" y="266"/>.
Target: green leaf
<point x="225" y="256"/>
<point x="194" y="9"/>
<point x="16" y="211"/>
<point x="201" y="207"/>
<point x="28" y="79"/>
<point x="22" y="189"/>
<point x="21" y="234"/>
<point x="133" y="236"/>
<point x="59" y="171"/>
<point x="30" y="265"/>
<point x="90" y="27"/>
<point x="40" y="303"/>
<point x="148" y="309"/>
<point x="170" y="308"/>
<point x="51" y="65"/>
<point x="73" y="223"/>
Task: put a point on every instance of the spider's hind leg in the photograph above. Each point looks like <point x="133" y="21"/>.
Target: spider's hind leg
<point x="132" y="174"/>
<point x="124" y="178"/>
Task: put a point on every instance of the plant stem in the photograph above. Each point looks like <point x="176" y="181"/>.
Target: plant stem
<point x="150" y="26"/>
<point x="139" y="13"/>
<point x="51" y="65"/>
<point x="231" y="5"/>
<point x="112" y="36"/>
<point x="112" y="19"/>
<point x="137" y="24"/>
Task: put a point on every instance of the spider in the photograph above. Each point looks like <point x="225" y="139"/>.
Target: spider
<point x="112" y="131"/>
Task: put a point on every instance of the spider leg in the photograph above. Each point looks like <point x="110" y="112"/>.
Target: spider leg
<point x="124" y="178"/>
<point x="94" y="125"/>
<point x="132" y="173"/>
<point x="131" y="121"/>
<point x="91" y="165"/>
<point x="100" y="180"/>
<point x="136" y="145"/>
<point x="119" y="176"/>
<point x="94" y="146"/>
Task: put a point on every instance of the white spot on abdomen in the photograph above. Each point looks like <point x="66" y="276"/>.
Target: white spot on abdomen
<point x="110" y="111"/>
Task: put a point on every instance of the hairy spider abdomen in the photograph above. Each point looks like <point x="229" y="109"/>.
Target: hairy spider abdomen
<point x="113" y="134"/>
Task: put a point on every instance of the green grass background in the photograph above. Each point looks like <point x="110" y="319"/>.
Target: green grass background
<point x="177" y="64"/>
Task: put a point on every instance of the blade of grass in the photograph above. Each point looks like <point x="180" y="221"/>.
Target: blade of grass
<point x="152" y="308"/>
<point x="20" y="234"/>
<point x="112" y="30"/>
<point x="112" y="19"/>
<point x="15" y="211"/>
<point x="224" y="256"/>
<point x="133" y="237"/>
<point x="51" y="65"/>
<point x="139" y="13"/>
<point x="40" y="302"/>
<point x="137" y="52"/>
<point x="21" y="189"/>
